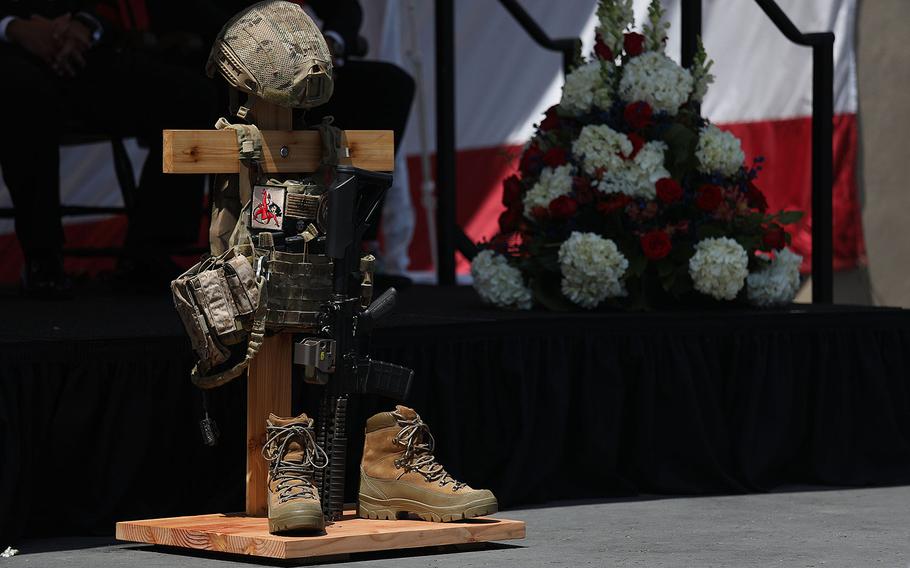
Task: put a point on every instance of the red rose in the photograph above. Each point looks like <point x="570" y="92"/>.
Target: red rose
<point x="555" y="157"/>
<point x="774" y="238"/>
<point x="633" y="43"/>
<point x="709" y="197"/>
<point x="511" y="191"/>
<point x="613" y="203"/>
<point x="656" y="244"/>
<point x="510" y="220"/>
<point x="638" y="115"/>
<point x="539" y="212"/>
<point x="551" y="119"/>
<point x="637" y="142"/>
<point x="583" y="191"/>
<point x="669" y="190"/>
<point x="602" y="51"/>
<point x="530" y="163"/>
<point x="756" y="199"/>
<point x="563" y="207"/>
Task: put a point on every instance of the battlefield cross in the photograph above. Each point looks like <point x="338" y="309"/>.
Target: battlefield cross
<point x="284" y="151"/>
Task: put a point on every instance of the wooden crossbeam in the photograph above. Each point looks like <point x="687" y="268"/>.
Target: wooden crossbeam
<point x="215" y="151"/>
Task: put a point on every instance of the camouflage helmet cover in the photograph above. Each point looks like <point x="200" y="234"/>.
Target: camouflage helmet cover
<point x="275" y="51"/>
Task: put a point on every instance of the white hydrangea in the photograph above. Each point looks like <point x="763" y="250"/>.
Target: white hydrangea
<point x="719" y="267"/>
<point x="592" y="269"/>
<point x="718" y="151"/>
<point x="637" y="177"/>
<point x="777" y="283"/>
<point x="551" y="184"/>
<point x="599" y="146"/>
<point x="585" y="87"/>
<point x="656" y="79"/>
<point x="499" y="283"/>
<point x="646" y="169"/>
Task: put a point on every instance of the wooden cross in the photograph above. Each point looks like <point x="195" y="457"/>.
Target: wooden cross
<point x="215" y="152"/>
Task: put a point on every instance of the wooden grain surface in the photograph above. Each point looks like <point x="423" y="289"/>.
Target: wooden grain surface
<point x="269" y="374"/>
<point x="240" y="534"/>
<point x="215" y="151"/>
<point x="268" y="390"/>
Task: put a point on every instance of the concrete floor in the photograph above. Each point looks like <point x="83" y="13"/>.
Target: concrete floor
<point x="849" y="528"/>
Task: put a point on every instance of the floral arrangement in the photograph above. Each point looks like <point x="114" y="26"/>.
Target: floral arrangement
<point x="627" y="197"/>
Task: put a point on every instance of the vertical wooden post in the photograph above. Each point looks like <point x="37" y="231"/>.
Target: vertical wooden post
<point x="269" y="375"/>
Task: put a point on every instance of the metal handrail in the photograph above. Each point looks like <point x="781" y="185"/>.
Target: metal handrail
<point x="569" y="47"/>
<point x="449" y="235"/>
<point x="822" y="44"/>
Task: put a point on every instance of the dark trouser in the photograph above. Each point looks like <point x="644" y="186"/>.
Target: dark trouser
<point x="120" y="93"/>
<point x="369" y="95"/>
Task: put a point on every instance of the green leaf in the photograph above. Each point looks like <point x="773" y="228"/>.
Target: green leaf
<point x="546" y="291"/>
<point x="788" y="217"/>
<point x="637" y="265"/>
<point x="682" y="284"/>
<point x="709" y="230"/>
<point x="681" y="143"/>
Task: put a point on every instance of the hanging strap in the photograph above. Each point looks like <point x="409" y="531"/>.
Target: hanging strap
<point x="331" y="141"/>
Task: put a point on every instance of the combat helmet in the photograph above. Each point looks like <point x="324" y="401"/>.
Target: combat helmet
<point x="275" y="51"/>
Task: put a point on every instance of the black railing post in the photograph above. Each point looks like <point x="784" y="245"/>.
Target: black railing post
<point x="822" y="45"/>
<point x="823" y="171"/>
<point x="690" y="29"/>
<point x="445" y="141"/>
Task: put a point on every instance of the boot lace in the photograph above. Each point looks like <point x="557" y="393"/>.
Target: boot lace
<point x="291" y="477"/>
<point x="418" y="456"/>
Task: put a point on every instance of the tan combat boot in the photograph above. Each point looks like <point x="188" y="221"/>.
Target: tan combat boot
<point x="292" y="454"/>
<point x="399" y="475"/>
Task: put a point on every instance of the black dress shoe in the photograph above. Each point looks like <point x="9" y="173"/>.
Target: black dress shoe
<point x="44" y="279"/>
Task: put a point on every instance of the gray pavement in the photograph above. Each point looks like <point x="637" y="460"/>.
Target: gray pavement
<point x="849" y="528"/>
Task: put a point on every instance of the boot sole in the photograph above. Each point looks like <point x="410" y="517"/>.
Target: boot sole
<point x="393" y="509"/>
<point x="297" y="522"/>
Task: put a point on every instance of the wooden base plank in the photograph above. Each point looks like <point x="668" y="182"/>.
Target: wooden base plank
<point x="241" y="534"/>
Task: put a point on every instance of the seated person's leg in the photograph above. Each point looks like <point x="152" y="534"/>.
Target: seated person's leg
<point x="30" y="160"/>
<point x="369" y="95"/>
<point x="152" y="96"/>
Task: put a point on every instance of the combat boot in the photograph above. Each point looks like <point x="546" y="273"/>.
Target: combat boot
<point x="293" y="454"/>
<point x="399" y="474"/>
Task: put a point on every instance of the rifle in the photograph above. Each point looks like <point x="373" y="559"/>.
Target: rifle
<point x="337" y="355"/>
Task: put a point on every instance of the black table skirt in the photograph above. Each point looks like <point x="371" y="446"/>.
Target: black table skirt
<point x="98" y="419"/>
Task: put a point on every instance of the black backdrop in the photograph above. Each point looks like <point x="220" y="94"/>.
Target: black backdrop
<point x="98" y="419"/>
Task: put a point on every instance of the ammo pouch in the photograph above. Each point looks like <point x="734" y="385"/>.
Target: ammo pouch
<point x="221" y="301"/>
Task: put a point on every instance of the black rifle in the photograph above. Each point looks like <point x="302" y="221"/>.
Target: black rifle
<point x="337" y="356"/>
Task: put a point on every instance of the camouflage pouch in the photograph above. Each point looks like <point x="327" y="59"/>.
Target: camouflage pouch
<point x="219" y="301"/>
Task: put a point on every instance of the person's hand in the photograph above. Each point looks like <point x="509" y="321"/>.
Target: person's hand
<point x="76" y="39"/>
<point x="39" y="36"/>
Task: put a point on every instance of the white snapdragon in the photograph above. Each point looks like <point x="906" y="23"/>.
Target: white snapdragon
<point x="718" y="151"/>
<point x="656" y="79"/>
<point x="719" y="267"/>
<point x="586" y="86"/>
<point x="600" y="146"/>
<point x="553" y="182"/>
<point x="614" y="16"/>
<point x="778" y="282"/>
<point x="499" y="283"/>
<point x="592" y="269"/>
